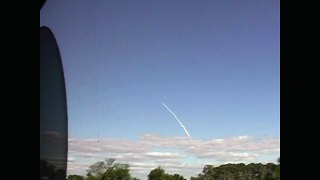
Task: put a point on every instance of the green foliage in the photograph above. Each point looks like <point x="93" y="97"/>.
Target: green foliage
<point x="108" y="170"/>
<point x="240" y="171"/>
<point x="75" y="177"/>
<point x="91" y="177"/>
<point x="194" y="178"/>
<point x="208" y="172"/>
<point x="97" y="168"/>
<point x="118" y="172"/>
<point x="178" y="177"/>
<point x="174" y="177"/>
<point x="159" y="174"/>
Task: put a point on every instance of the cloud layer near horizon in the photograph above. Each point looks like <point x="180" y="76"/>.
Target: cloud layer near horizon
<point x="182" y="155"/>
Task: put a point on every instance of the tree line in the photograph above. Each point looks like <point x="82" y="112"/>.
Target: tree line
<point x="111" y="170"/>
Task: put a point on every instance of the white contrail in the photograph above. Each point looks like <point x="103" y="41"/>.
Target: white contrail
<point x="185" y="130"/>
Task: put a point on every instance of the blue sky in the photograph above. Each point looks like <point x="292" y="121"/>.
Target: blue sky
<point x="216" y="64"/>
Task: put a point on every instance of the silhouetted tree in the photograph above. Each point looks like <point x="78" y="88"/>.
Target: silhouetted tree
<point x="98" y="168"/>
<point x="253" y="171"/>
<point x="157" y="174"/>
<point x="208" y="172"/>
<point x="177" y="177"/>
<point x="108" y="170"/>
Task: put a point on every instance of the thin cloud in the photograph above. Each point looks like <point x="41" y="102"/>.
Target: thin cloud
<point x="143" y="154"/>
<point x="162" y="155"/>
<point x="106" y="145"/>
<point x="86" y="155"/>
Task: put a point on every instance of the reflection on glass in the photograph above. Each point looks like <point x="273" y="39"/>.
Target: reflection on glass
<point x="53" y="110"/>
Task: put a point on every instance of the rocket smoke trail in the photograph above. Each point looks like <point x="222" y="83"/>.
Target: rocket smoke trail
<point x="184" y="128"/>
